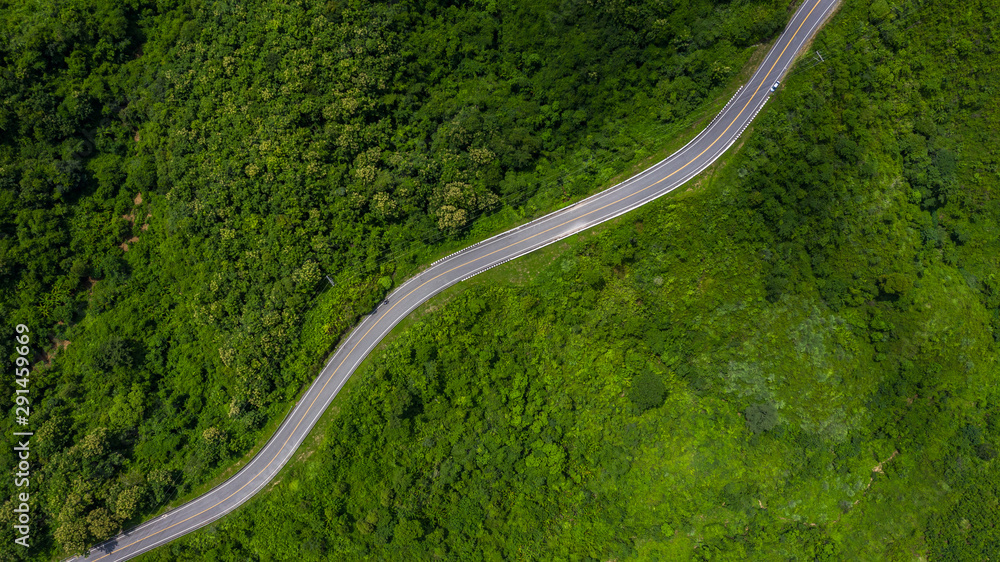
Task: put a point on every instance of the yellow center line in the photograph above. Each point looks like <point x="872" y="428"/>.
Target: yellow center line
<point x="311" y="404"/>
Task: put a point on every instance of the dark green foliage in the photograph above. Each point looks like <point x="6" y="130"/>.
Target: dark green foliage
<point x="833" y="275"/>
<point x="761" y="417"/>
<point x="986" y="451"/>
<point x="178" y="178"/>
<point x="112" y="354"/>
<point x="838" y="268"/>
<point x="647" y="390"/>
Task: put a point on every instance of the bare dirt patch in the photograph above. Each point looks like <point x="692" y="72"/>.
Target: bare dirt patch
<point x="124" y="245"/>
<point x="58" y="345"/>
<point x="131" y="218"/>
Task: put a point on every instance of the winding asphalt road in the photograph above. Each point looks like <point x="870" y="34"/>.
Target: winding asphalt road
<point x="635" y="192"/>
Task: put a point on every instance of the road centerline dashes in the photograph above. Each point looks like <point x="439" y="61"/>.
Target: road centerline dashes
<point x="333" y="374"/>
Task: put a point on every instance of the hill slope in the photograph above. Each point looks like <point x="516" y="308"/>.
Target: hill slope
<point x="177" y="179"/>
<point x="797" y="359"/>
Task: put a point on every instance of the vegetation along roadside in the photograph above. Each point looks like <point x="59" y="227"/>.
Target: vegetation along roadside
<point x="177" y="179"/>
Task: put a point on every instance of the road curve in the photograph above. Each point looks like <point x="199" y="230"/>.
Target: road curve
<point x="654" y="182"/>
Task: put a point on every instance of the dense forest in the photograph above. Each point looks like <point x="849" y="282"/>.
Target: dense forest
<point x="794" y="359"/>
<point x="177" y="180"/>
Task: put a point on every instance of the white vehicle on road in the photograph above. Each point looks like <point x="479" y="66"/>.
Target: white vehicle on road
<point x="664" y="176"/>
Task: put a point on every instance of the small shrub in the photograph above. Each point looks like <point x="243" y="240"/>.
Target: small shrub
<point x="647" y="391"/>
<point x="761" y="417"/>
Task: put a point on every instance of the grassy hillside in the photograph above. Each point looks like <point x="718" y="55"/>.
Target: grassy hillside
<point x="177" y="179"/>
<point x="795" y="360"/>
